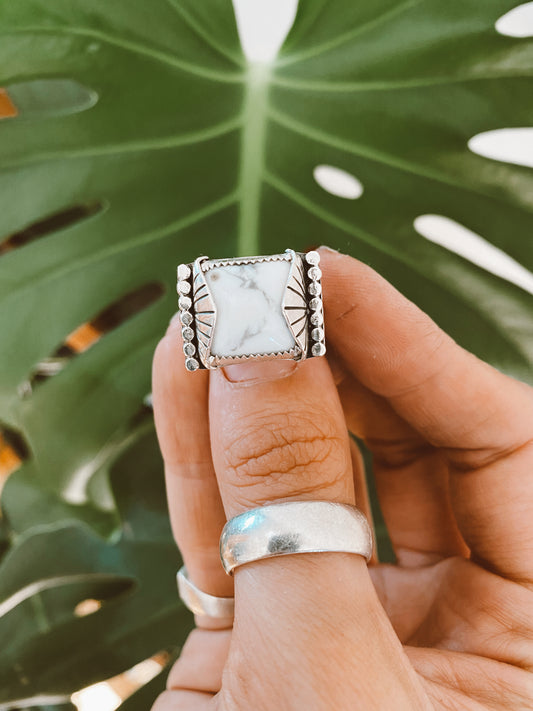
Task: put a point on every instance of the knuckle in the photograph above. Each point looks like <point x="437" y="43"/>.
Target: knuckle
<point x="399" y="454"/>
<point x="164" y="701"/>
<point x="421" y="361"/>
<point x="284" y="451"/>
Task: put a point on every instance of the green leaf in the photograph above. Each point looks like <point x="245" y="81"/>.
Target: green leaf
<point x="190" y="150"/>
<point x="144" y="139"/>
<point x="28" y="502"/>
<point x="55" y="707"/>
<point x="48" y="649"/>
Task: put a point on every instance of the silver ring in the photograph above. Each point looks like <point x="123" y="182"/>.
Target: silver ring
<point x="294" y="527"/>
<point x="251" y="308"/>
<point x="200" y="602"/>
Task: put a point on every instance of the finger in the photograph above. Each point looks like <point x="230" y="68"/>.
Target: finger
<point x="183" y="700"/>
<point x="411" y="479"/>
<point x="278" y="433"/>
<point x="479" y="418"/>
<point x="359" y="481"/>
<point x="358" y="466"/>
<point x="201" y="661"/>
<point x="196" y="513"/>
<point x="361" y="493"/>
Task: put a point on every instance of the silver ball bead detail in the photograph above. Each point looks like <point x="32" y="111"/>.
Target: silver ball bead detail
<point x="184" y="271"/>
<point x="187" y="333"/>
<point x="317" y="319"/>
<point x="318" y="349"/>
<point x="191" y="364"/>
<point x="314" y="273"/>
<point x="314" y="288"/>
<point x="183" y="287"/>
<point x="186" y="318"/>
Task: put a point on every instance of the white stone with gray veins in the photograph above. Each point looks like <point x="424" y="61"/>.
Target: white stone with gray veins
<point x="248" y="300"/>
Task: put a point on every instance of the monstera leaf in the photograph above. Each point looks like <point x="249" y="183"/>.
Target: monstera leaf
<point x="50" y="648"/>
<point x="144" y="698"/>
<point x="143" y="138"/>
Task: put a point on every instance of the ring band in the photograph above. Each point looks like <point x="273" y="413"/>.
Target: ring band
<point x="200" y="602"/>
<point x="294" y="527"/>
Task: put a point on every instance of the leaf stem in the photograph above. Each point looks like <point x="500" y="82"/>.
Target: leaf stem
<point x="252" y="157"/>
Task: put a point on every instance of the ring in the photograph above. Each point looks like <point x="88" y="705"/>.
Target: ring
<point x="251" y="308"/>
<point x="200" y="602"/>
<point x="294" y="527"/>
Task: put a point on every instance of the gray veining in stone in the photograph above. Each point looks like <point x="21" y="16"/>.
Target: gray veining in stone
<point x="248" y="299"/>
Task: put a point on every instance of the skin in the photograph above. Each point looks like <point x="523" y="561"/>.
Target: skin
<point x="450" y="626"/>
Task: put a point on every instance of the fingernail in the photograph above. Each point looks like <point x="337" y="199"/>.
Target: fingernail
<point x="328" y="249"/>
<point x="259" y="371"/>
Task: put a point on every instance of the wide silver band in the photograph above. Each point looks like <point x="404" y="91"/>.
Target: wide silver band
<point x="200" y="602"/>
<point x="294" y="527"/>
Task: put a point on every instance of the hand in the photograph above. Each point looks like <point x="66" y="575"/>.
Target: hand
<point x="450" y="627"/>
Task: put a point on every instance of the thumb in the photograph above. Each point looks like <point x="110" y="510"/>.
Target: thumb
<point x="278" y="433"/>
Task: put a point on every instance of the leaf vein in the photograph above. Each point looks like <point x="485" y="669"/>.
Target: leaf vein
<point x="136" y="48"/>
<point x="358" y="31"/>
<point x="203" y="34"/>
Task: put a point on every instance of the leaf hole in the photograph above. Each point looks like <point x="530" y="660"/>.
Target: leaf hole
<point x="108" y="695"/>
<point x="89" y="333"/>
<point x="87" y="607"/>
<point x="103" y="593"/>
<point x="47" y="225"/>
<point x="471" y="246"/>
<point x="518" y="22"/>
<point x="509" y="145"/>
<point x="99" y="696"/>
<point x="14" y="451"/>
<point x="338" y="182"/>
<point x="44" y="98"/>
<point x="7" y="107"/>
<point x="263" y="26"/>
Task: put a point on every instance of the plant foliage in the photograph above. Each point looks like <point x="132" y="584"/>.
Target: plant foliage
<point x="143" y="139"/>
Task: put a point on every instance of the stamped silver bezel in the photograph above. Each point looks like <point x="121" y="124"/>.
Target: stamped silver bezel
<point x="296" y="302"/>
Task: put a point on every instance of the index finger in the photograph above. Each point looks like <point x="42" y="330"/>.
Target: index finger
<point x="479" y="418"/>
<point x="196" y="512"/>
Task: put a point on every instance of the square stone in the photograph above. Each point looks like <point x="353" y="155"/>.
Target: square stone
<point x="248" y="300"/>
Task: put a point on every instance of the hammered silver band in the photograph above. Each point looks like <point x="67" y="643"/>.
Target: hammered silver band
<point x="200" y="602"/>
<point x="294" y="527"/>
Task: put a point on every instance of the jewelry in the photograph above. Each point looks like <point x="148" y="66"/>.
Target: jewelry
<point x="200" y="602"/>
<point x="294" y="527"/>
<point x="251" y="308"/>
